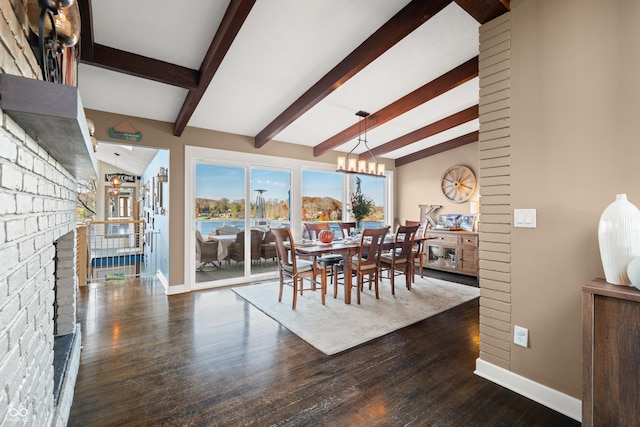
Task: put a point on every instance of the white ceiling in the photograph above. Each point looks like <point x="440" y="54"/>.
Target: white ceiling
<point x="283" y="48"/>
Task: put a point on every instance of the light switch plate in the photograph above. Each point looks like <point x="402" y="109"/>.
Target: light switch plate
<point x="524" y="218"/>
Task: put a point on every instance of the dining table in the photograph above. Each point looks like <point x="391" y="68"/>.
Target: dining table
<point x="347" y="248"/>
<point x="224" y="241"/>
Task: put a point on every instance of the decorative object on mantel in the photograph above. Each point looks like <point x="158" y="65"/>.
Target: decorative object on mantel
<point x="57" y="25"/>
<point x="352" y="165"/>
<point x="361" y="205"/>
<point x="125" y="131"/>
<point x="92" y="130"/>
<point x="458" y="183"/>
<point x="619" y="239"/>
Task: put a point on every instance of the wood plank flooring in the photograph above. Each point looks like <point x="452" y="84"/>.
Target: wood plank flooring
<point x="208" y="358"/>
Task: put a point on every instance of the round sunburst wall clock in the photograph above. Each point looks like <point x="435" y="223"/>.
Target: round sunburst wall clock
<point x="458" y="183"/>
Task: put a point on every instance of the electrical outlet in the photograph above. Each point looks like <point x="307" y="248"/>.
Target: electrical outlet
<point x="521" y="336"/>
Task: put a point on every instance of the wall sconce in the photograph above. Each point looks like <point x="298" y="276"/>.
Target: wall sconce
<point x="57" y="24"/>
<point x="162" y="175"/>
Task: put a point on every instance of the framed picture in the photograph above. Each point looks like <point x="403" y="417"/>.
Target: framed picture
<point x="453" y="221"/>
<point x="467" y="221"/>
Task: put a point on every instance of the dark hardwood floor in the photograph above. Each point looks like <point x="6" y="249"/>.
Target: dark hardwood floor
<point x="208" y="358"/>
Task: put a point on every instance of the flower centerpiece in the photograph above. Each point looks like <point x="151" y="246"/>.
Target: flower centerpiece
<point x="361" y="205"/>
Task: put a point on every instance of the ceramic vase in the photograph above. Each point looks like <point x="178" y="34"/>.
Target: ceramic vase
<point x="619" y="239"/>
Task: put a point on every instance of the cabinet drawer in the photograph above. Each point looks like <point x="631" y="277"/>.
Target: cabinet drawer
<point x="468" y="241"/>
<point x="445" y="239"/>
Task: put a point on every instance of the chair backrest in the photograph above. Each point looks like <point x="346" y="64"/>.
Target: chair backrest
<point x="422" y="227"/>
<point x="404" y="240"/>
<point x="256" y="240"/>
<point x="281" y="236"/>
<point x="199" y="237"/>
<point x="371" y="246"/>
<point x="347" y="228"/>
<point x="314" y="228"/>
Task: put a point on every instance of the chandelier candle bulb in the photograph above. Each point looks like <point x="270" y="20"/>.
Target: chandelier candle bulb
<point x="362" y="166"/>
<point x="341" y="163"/>
<point x="352" y="165"/>
<point x="381" y="169"/>
<point x="372" y="168"/>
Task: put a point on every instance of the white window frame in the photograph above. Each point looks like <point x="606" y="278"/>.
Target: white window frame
<point x="194" y="155"/>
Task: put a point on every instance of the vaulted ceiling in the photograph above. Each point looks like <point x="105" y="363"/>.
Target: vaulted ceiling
<point x="293" y="71"/>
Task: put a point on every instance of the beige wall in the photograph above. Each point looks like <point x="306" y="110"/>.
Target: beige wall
<point x="574" y="95"/>
<point x="160" y="135"/>
<point x="418" y="183"/>
<point x="574" y="89"/>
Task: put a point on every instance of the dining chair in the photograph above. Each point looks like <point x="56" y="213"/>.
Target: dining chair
<point x="347" y="228"/>
<point x="327" y="261"/>
<point x="293" y="268"/>
<point x="418" y="247"/>
<point x="367" y="261"/>
<point x="399" y="258"/>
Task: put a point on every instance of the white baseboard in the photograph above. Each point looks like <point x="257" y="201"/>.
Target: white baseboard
<point x="558" y="401"/>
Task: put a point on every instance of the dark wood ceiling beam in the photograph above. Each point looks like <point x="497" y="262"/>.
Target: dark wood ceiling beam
<point x="398" y="27"/>
<point x="112" y="59"/>
<point x="233" y="19"/>
<point x="484" y="11"/>
<point x="439" y="148"/>
<point x="140" y="66"/>
<point x="434" y="128"/>
<point x="459" y="75"/>
<point x="86" y="30"/>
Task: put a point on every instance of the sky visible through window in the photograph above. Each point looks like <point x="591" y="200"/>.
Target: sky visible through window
<point x="215" y="182"/>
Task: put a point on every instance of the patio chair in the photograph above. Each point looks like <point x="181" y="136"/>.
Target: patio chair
<point x="206" y="252"/>
<point x="236" y="250"/>
<point x="294" y="269"/>
<point x="227" y="229"/>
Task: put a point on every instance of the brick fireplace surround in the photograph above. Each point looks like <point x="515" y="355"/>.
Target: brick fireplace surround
<point x="37" y="225"/>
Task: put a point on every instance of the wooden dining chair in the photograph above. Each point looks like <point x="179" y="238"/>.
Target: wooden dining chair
<point x="418" y="247"/>
<point x="399" y="258"/>
<point x="294" y="269"/>
<point x="367" y="262"/>
<point x="347" y="228"/>
<point x="327" y="261"/>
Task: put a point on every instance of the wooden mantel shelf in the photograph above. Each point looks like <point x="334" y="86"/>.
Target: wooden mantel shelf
<point x="52" y="114"/>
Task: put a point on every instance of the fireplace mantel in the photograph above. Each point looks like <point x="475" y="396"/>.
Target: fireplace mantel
<point x="52" y="114"/>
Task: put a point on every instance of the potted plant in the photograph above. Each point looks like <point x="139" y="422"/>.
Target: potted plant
<point x="361" y="205"/>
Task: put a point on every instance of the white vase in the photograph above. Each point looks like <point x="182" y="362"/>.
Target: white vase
<point x="619" y="239"/>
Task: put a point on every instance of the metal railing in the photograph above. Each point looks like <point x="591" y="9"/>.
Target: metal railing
<point x="115" y="249"/>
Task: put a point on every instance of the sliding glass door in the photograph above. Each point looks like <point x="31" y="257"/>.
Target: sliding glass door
<point x="232" y="200"/>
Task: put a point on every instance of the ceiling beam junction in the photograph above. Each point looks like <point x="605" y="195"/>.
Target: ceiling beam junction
<point x="438" y="148"/>
<point x="234" y="17"/>
<point x="449" y="80"/>
<point x="395" y="29"/>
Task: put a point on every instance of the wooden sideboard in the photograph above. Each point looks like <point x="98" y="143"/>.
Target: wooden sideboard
<point x="611" y="354"/>
<point x="454" y="251"/>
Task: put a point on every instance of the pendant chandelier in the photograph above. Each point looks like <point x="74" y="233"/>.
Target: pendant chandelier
<point x="353" y="165"/>
<point x="115" y="179"/>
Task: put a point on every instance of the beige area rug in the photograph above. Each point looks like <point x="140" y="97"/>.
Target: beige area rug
<point x="336" y="326"/>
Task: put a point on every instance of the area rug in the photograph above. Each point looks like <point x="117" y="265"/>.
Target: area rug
<point x="336" y="326"/>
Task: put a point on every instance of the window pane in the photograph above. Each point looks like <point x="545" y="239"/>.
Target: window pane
<point x="373" y="187"/>
<point x="220" y="220"/>
<point x="270" y="192"/>
<point x="322" y="198"/>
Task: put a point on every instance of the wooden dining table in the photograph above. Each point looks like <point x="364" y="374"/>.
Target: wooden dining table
<point x="346" y="248"/>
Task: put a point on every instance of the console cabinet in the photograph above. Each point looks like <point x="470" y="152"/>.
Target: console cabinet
<point x="611" y="356"/>
<point x="454" y="251"/>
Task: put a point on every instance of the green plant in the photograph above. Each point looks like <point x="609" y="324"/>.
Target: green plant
<point x="361" y="205"/>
